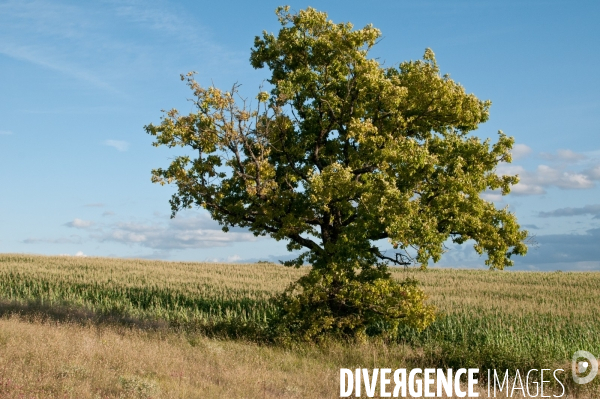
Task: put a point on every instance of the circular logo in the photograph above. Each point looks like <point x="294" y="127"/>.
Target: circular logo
<point x="579" y="367"/>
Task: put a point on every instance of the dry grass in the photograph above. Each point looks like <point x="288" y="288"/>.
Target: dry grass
<point x="45" y="360"/>
<point x="95" y="328"/>
<point x="49" y="360"/>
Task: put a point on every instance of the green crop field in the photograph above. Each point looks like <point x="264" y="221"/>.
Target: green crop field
<point x="514" y="320"/>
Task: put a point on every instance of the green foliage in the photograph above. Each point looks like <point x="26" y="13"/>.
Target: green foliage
<point x="340" y="154"/>
<point x="317" y="306"/>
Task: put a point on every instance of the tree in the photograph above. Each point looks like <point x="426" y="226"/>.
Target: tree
<point x="341" y="153"/>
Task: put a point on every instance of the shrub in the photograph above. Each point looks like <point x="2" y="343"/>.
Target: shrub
<point x="321" y="304"/>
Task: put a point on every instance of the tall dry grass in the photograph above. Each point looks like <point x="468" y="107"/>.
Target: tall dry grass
<point x="157" y="310"/>
<point x="50" y="360"/>
<point x="44" y="359"/>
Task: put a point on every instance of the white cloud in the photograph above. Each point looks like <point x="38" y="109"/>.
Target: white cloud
<point x="78" y="253"/>
<point x="5" y="132"/>
<point x="118" y="144"/>
<point x="527" y="189"/>
<point x="558" y="174"/>
<point x="79" y="223"/>
<point x="185" y="233"/>
<point x="520" y="151"/>
<point x="536" y="182"/>
<point x="563" y="156"/>
<point x="548" y="176"/>
<point x="492" y="196"/>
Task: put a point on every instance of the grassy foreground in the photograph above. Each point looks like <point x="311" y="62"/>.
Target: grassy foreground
<point x="93" y="327"/>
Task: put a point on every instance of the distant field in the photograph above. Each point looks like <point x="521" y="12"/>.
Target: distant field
<point x="488" y="319"/>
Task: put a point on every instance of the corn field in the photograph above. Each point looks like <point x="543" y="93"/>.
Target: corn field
<point x="487" y="319"/>
<point x="189" y="295"/>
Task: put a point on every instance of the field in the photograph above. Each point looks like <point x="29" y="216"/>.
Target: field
<point x="93" y="327"/>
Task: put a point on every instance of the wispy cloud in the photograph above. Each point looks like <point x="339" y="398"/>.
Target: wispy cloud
<point x="531" y="226"/>
<point x="118" y="144"/>
<point x="59" y="37"/>
<point x="44" y="58"/>
<point x="79" y="223"/>
<point x="184" y="234"/>
<point x="178" y="29"/>
<point x="593" y="172"/>
<point x="563" y="156"/>
<point x="89" y="42"/>
<point x="74" y="239"/>
<point x="593" y="210"/>
<point x="165" y="235"/>
<point x="5" y="132"/>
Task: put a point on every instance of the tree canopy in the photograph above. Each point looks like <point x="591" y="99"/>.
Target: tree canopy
<point x="343" y="152"/>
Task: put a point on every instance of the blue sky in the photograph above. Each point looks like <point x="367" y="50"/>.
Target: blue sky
<point x="79" y="80"/>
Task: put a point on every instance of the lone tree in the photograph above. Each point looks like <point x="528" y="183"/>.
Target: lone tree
<point x="340" y="154"/>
